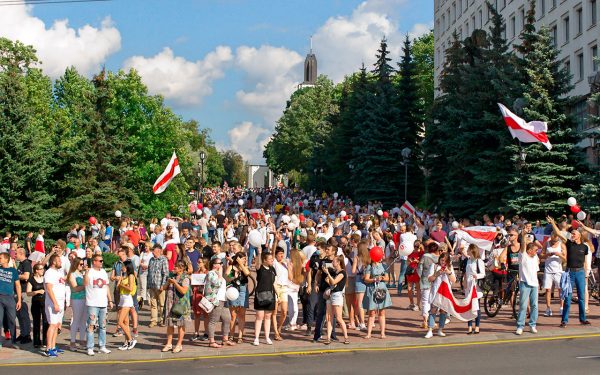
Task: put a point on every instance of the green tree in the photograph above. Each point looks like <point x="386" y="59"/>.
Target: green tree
<point x="423" y="52"/>
<point x="26" y="149"/>
<point x="235" y="168"/>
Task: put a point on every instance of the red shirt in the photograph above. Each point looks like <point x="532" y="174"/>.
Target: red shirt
<point x="133" y="236"/>
<point x="172" y="248"/>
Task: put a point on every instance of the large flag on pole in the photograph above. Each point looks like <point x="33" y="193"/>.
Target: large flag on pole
<point x="482" y="236"/>
<point x="408" y="208"/>
<point x="167" y="176"/>
<point x="526" y="132"/>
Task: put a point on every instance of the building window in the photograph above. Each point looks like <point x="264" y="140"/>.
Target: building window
<point x="542" y="8"/>
<point x="480" y="18"/>
<point x="554" y="4"/>
<point x="554" y="35"/>
<point x="593" y="12"/>
<point x="566" y="26"/>
<point x="453" y="12"/>
<point x="443" y="22"/>
<point x="523" y="20"/>
<point x="448" y="17"/>
<point x="579" y="15"/>
<point x="513" y="27"/>
<point x="580" y="67"/>
<point x="595" y="62"/>
<point x="579" y="112"/>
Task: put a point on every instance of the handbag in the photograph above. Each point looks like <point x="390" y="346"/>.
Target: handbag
<point x="179" y="309"/>
<point x="265" y="298"/>
<point x="379" y="294"/>
<point x="409" y="271"/>
<point x="327" y="294"/>
<point x="205" y="304"/>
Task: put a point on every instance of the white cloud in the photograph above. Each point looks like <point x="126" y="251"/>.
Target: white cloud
<point x="182" y="81"/>
<point x="273" y="74"/>
<point x="60" y="46"/>
<point x="419" y="29"/>
<point x="249" y="140"/>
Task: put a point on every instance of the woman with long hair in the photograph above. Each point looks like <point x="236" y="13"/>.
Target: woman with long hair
<point x="178" y="293"/>
<point x="199" y="314"/>
<point x="337" y="282"/>
<point x="475" y="270"/>
<point x="237" y="275"/>
<point x="216" y="293"/>
<point x="361" y="261"/>
<point x="35" y="290"/>
<point x="127" y="288"/>
<point x="296" y="278"/>
<point x="377" y="297"/>
<point x="264" y="301"/>
<point x="412" y="276"/>
<point x="442" y="269"/>
<point x="78" y="323"/>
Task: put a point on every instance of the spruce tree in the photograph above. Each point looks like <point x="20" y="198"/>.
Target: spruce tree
<point x="551" y="175"/>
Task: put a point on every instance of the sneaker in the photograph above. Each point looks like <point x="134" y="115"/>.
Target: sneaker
<point x="429" y="334"/>
<point x="533" y="329"/>
<point x="104" y="350"/>
<point x="58" y="350"/>
<point x="152" y="325"/>
<point x="585" y="323"/>
<point x="447" y="321"/>
<point x="441" y="333"/>
<point x="269" y="342"/>
<point x="51" y="353"/>
<point x="303" y="327"/>
<point x="132" y="344"/>
<point x="135" y="332"/>
<point x="548" y="312"/>
<point x="204" y="337"/>
<point x="363" y="327"/>
<point x="519" y="331"/>
<point x="91" y="352"/>
<point x="26" y="340"/>
<point x="415" y="308"/>
<point x="117" y="334"/>
<point x="256" y="342"/>
<point x="560" y="311"/>
<point x="125" y="346"/>
<point x="195" y="337"/>
<point x="410" y="307"/>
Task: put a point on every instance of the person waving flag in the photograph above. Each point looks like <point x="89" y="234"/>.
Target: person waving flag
<point x="526" y="132"/>
<point x="167" y="176"/>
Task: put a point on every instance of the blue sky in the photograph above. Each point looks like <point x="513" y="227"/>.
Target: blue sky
<point x="230" y="64"/>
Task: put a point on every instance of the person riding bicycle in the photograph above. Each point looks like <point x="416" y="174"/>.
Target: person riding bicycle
<point x="512" y="256"/>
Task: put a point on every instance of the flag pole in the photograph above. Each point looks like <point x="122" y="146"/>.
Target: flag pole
<point x="523" y="156"/>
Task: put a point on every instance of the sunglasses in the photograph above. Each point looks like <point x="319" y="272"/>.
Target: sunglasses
<point x="80" y="264"/>
<point x="218" y="263"/>
<point x="99" y="260"/>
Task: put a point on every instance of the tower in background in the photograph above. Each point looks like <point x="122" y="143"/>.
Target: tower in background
<point x="310" y="69"/>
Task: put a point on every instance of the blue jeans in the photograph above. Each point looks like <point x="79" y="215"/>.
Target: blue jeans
<point x="8" y="314"/>
<point x="578" y="281"/>
<point x="527" y="294"/>
<point x="252" y="252"/>
<point x="476" y="320"/>
<point x="96" y="316"/>
<point x="401" y="275"/>
<point x="320" y="318"/>
<point x="431" y="319"/>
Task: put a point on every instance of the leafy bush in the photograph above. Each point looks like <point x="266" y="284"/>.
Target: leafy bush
<point x="109" y="259"/>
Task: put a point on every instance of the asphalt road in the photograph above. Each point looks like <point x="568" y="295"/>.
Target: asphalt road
<point x="533" y="357"/>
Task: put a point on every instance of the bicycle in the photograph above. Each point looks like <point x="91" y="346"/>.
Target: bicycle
<point x="593" y="289"/>
<point x="492" y="302"/>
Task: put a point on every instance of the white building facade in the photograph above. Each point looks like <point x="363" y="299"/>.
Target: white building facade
<point x="574" y="26"/>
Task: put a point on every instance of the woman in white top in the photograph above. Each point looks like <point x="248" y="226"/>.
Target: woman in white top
<point x="442" y="269"/>
<point x="475" y="270"/>
<point x="587" y="267"/>
<point x="554" y="253"/>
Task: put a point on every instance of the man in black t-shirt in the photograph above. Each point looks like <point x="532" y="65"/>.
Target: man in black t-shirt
<point x="25" y="271"/>
<point x="321" y="307"/>
<point x="576" y="252"/>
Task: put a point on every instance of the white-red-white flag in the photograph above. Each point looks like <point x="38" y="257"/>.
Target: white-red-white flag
<point x="464" y="309"/>
<point x="167" y="176"/>
<point x="482" y="236"/>
<point x="526" y="132"/>
<point x="408" y="208"/>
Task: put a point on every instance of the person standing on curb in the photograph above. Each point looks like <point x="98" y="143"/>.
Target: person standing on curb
<point x="97" y="298"/>
<point x="25" y="271"/>
<point x="9" y="282"/>
<point x="529" y="265"/>
<point x="158" y="272"/>
<point x="54" y="284"/>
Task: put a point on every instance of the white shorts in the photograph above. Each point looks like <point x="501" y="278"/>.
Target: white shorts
<point x="336" y="299"/>
<point x="552" y="279"/>
<point x="126" y="300"/>
<point x="425" y="305"/>
<point x="51" y="316"/>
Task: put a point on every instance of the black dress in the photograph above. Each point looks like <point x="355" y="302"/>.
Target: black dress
<point x="265" y="278"/>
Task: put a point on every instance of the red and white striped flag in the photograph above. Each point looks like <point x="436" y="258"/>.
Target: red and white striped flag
<point x="482" y="236"/>
<point x="526" y="132"/>
<point x="408" y="208"/>
<point x="167" y="176"/>
<point x="255" y="213"/>
<point x="465" y="309"/>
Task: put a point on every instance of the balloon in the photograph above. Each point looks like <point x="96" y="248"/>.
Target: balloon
<point x="571" y="201"/>
<point x="300" y="204"/>
<point x="295" y="219"/>
<point x="455" y="225"/>
<point x="292" y="226"/>
<point x="581" y="215"/>
<point x="575" y="209"/>
<point x="118" y="213"/>
<point x="385" y="215"/>
<point x="198" y="212"/>
<point x="379" y="213"/>
<point x="255" y="238"/>
<point x="93" y="220"/>
<point x="305" y="202"/>
<point x="404" y="251"/>
<point x="342" y="213"/>
<point x="286" y="219"/>
<point x="335" y="195"/>
<point x="232" y="293"/>
<point x="241" y="202"/>
<point x="376" y="254"/>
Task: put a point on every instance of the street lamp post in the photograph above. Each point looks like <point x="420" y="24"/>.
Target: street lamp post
<point x="321" y="178"/>
<point x="405" y="158"/>
<point x="202" y="158"/>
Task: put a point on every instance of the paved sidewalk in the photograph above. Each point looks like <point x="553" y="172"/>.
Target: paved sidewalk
<point x="403" y="330"/>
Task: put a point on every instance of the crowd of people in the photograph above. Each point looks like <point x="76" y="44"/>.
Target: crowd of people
<point x="314" y="263"/>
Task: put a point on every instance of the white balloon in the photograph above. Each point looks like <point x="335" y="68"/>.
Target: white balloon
<point x="342" y="214"/>
<point x="295" y="219"/>
<point x="571" y="201"/>
<point x="286" y="219"/>
<point x="292" y="226"/>
<point x="118" y="213"/>
<point x="305" y="203"/>
<point x="198" y="212"/>
<point x="581" y="215"/>
<point x="232" y="293"/>
<point x="255" y="238"/>
<point x="404" y="251"/>
<point x="455" y="225"/>
<point x="241" y="202"/>
<point x="335" y="195"/>
<point x="379" y="213"/>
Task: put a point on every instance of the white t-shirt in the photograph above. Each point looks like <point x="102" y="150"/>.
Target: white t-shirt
<point x="96" y="290"/>
<point x="309" y="250"/>
<point x="528" y="268"/>
<point x="145" y="260"/>
<point x="553" y="263"/>
<point x="221" y="293"/>
<point x="56" y="277"/>
<point x="282" y="273"/>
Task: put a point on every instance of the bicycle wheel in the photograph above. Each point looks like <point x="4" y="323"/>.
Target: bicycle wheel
<point x="491" y="303"/>
<point x="515" y="302"/>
